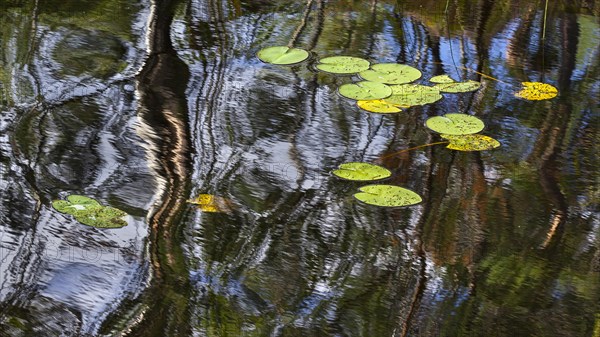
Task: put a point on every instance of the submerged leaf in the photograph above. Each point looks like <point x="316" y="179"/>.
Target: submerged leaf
<point x="536" y="91"/>
<point x="441" y="79"/>
<point x="89" y="212"/>
<point x="413" y="94"/>
<point x="282" y="55"/>
<point x="387" y="196"/>
<point x="391" y="73"/>
<point x="361" y="171"/>
<point x="471" y="142"/>
<point x="343" y="64"/>
<point x="456" y="87"/>
<point x="455" y="124"/>
<point x="211" y="203"/>
<point x="380" y="106"/>
<point x="365" y="90"/>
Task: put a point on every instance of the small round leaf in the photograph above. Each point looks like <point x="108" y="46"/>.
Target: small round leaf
<point x="361" y="171"/>
<point x="455" y="124"/>
<point x="391" y="73"/>
<point x="413" y="94"/>
<point x="380" y="106"/>
<point x="441" y="79"/>
<point x="387" y="196"/>
<point x="282" y="55"/>
<point x="365" y="90"/>
<point x="343" y="64"/>
<point x="471" y="142"/>
<point x="536" y="91"/>
<point x="456" y="87"/>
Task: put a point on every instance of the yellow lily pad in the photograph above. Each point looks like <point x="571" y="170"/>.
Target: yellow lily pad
<point x="211" y="203"/>
<point x="537" y="91"/>
<point x="380" y="106"/>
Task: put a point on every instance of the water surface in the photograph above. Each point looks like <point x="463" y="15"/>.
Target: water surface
<point x="144" y="105"/>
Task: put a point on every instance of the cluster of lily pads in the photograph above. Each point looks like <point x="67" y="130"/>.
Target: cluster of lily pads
<point x="383" y="88"/>
<point x="388" y="88"/>
<point x="90" y="212"/>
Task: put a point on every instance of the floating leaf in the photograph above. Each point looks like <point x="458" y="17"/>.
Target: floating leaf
<point x="343" y="64"/>
<point x="456" y="87"/>
<point x="441" y="79"/>
<point x="89" y="212"/>
<point x="365" y="90"/>
<point x="387" y="196"/>
<point x="361" y="171"/>
<point x="282" y="55"/>
<point x="471" y="142"/>
<point x="413" y="94"/>
<point x="536" y="91"/>
<point x="211" y="203"/>
<point x="391" y="73"/>
<point x="380" y="106"/>
<point x="455" y="124"/>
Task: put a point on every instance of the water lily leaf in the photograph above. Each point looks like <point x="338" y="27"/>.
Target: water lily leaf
<point x="471" y="142"/>
<point x="211" y="203"/>
<point x="391" y="73"/>
<point x="413" y="94"/>
<point x="89" y="212"/>
<point x="536" y="91"/>
<point x="387" y="196"/>
<point x="282" y="55"/>
<point x="456" y="87"/>
<point x="380" y="106"/>
<point x="361" y="171"/>
<point x="365" y="90"/>
<point x="343" y="64"/>
<point x="441" y="79"/>
<point x="455" y="124"/>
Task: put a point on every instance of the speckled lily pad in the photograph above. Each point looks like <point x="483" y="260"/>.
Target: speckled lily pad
<point x="361" y="171"/>
<point x="387" y="196"/>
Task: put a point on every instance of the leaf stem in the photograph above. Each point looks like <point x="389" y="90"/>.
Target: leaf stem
<point x="544" y="28"/>
<point x="414" y="148"/>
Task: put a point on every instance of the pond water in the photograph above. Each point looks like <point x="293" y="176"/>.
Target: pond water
<point x="145" y="105"/>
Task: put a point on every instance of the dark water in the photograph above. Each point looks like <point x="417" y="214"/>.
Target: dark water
<point x="143" y="105"/>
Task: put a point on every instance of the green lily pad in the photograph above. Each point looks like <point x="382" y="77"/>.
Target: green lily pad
<point x="455" y="124"/>
<point x="471" y="142"/>
<point x="343" y="64"/>
<point x="391" y="73"/>
<point x="365" y="90"/>
<point x="413" y="94"/>
<point x="441" y="79"/>
<point x="89" y="212"/>
<point x="387" y="196"/>
<point x="361" y="171"/>
<point x="456" y="87"/>
<point x="282" y="55"/>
